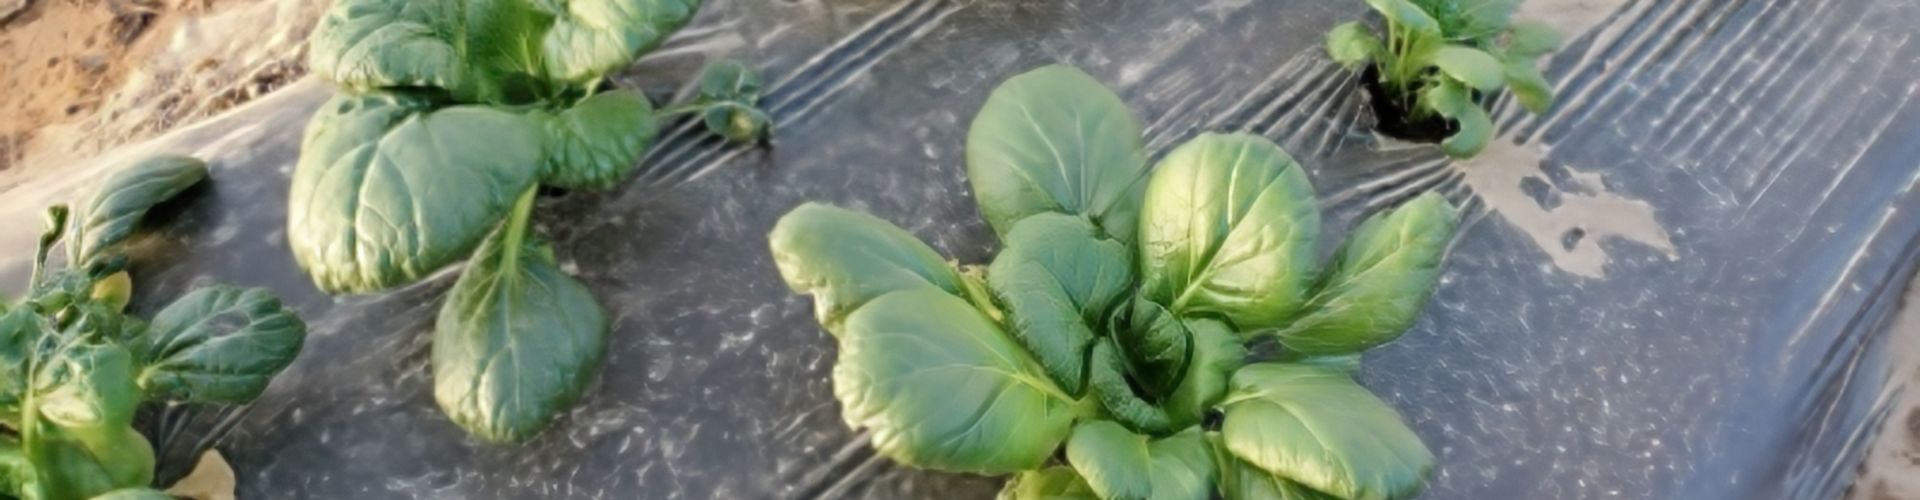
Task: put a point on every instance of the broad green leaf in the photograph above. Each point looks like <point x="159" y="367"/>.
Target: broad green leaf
<point x="369" y="44"/>
<point x="77" y="463"/>
<point x="386" y="193"/>
<point x="1112" y="459"/>
<point x="1053" y="483"/>
<point x="111" y="214"/>
<point x="1455" y="102"/>
<point x="1183" y="467"/>
<point x="1107" y="380"/>
<point x="1470" y="66"/>
<point x="20" y="329"/>
<point x="941" y="387"/>
<point x="134" y="494"/>
<point x="18" y="478"/>
<point x="1155" y="344"/>
<point x="1316" y="427"/>
<point x="515" y="342"/>
<point x="1529" y="86"/>
<point x="1240" y="480"/>
<point x="1352" y="44"/>
<point x="93" y="387"/>
<point x="1056" y="140"/>
<point x="1529" y="40"/>
<point x="1055" y="279"/>
<point x="1217" y="352"/>
<point x="1378" y="282"/>
<point x="1404" y="15"/>
<point x="1228" y="228"/>
<point x="218" y="344"/>
<point x="845" y="258"/>
<point x="590" y="39"/>
<point x="598" y="142"/>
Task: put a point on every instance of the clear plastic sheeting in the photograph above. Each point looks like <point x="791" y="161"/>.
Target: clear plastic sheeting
<point x="1677" y="284"/>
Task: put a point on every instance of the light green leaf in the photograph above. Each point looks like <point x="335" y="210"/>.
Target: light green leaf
<point x="1453" y="101"/>
<point x="1404" y="15"/>
<point x="369" y="44"/>
<point x="1056" y="140"/>
<point x="386" y="193"/>
<point x="1378" y="282"/>
<point x="1529" y="86"/>
<point x="515" y="342"/>
<point x="598" y="142"/>
<point x="111" y="214"/>
<point x="1529" y="40"/>
<point x="941" y="387"/>
<point x="1183" y="467"/>
<point x="1228" y="228"/>
<point x="1053" y="483"/>
<point x="590" y="39"/>
<point x="1479" y="19"/>
<point x="845" y="258"/>
<point x="1112" y="459"/>
<point x="93" y="387"/>
<point x="218" y="344"/>
<point x="1217" y="352"/>
<point x="134" y="494"/>
<point x="82" y="463"/>
<point x="1352" y="44"/>
<point x="1242" y="481"/>
<point x="1055" y="279"/>
<point x="1470" y="66"/>
<point x="1316" y="427"/>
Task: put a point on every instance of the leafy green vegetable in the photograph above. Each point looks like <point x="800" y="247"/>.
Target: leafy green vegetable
<point x="74" y="368"/>
<point x="452" y="114"/>
<point x="1437" y="50"/>
<point x="992" y="369"/>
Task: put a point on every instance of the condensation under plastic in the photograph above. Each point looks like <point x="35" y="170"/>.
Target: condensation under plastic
<point x="1674" y="285"/>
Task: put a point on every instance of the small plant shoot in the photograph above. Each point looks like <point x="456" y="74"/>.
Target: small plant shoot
<point x="1432" y="60"/>
<point x="1103" y="353"/>
<point x="74" y="366"/>
<point x="451" y="115"/>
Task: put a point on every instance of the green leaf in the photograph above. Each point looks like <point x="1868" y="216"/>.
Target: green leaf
<point x="845" y="258"/>
<point x="113" y="212"/>
<point x="1352" y="44"/>
<point x="1055" y="279"/>
<point x="1217" y="352"/>
<point x="1228" y="228"/>
<point x="77" y="463"/>
<point x="369" y="44"/>
<point x="93" y="387"/>
<point x="1454" y="101"/>
<point x="1404" y="15"/>
<point x="1183" y="467"/>
<point x="735" y="121"/>
<point x="1112" y="459"/>
<point x="1053" y="483"/>
<point x="515" y="342"/>
<point x="1470" y="66"/>
<point x="1529" y="40"/>
<point x="1529" y="86"/>
<point x="386" y="192"/>
<point x="1056" y="140"/>
<point x="729" y="80"/>
<point x="941" y="387"/>
<point x="218" y="344"/>
<point x="18" y="477"/>
<point x="1316" y="427"/>
<point x="1108" y="380"/>
<point x="598" y="142"/>
<point x="1378" y="282"/>
<point x="1242" y="481"/>
<point x="1478" y="19"/>
<point x="134" y="494"/>
<point x="590" y="39"/>
<point x="20" y="329"/>
<point x="1155" y="345"/>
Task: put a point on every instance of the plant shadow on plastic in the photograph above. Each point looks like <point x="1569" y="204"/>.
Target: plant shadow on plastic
<point x="1115" y="320"/>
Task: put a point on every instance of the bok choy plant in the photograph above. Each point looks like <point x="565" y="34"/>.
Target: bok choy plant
<point x="1437" y="56"/>
<point x="452" y="114"/>
<point x="74" y="366"/>
<point x="1117" y="317"/>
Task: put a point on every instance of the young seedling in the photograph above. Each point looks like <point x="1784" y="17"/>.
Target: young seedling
<point x="1437" y="56"/>
<point x="74" y="366"/>
<point x="451" y="115"/>
<point x="1114" y="320"/>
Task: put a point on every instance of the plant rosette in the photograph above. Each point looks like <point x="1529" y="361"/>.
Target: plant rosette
<point x="1437" y="59"/>
<point x="1114" y="322"/>
<point x="74" y="367"/>
<point x="451" y="114"/>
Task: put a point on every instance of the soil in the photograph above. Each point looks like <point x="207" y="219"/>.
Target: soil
<point x="1395" y="118"/>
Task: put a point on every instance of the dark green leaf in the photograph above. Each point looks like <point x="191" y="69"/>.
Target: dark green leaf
<point x="941" y="386"/>
<point x="1529" y="40"/>
<point x="1351" y="44"/>
<point x="386" y="193"/>
<point x="18" y="478"/>
<point x="1056" y="140"/>
<point x="1052" y="483"/>
<point x="1112" y="459"/>
<point x="20" y="329"/>
<point x="515" y="342"/>
<point x="1217" y="352"/>
<point x="1470" y="66"/>
<point x="112" y="213"/>
<point x="1316" y="427"/>
<point x="1108" y="381"/>
<point x="1228" y="228"/>
<point x="735" y="121"/>
<point x="598" y="142"/>
<point x="845" y="258"/>
<point x="1529" y="86"/>
<point x="1055" y="279"/>
<point x="93" y="387"/>
<point x="1183" y="467"/>
<point x="218" y="344"/>
<point x="590" y="39"/>
<point x="1155" y="344"/>
<point x="729" y="80"/>
<point x="1378" y="282"/>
